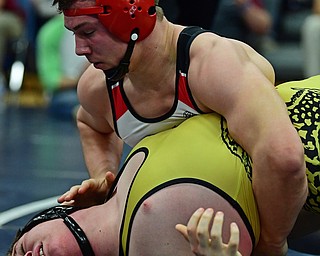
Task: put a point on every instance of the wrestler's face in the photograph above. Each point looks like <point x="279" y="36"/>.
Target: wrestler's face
<point x="93" y="40"/>
<point x="51" y="238"/>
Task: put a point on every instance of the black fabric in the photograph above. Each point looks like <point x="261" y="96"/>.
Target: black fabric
<point x="57" y="212"/>
<point x="186" y="37"/>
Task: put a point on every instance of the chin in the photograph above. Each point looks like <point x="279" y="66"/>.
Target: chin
<point x="99" y="65"/>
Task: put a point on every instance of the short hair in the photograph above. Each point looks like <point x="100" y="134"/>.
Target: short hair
<point x="16" y="238"/>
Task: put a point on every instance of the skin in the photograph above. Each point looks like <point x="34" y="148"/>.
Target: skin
<point x="204" y="243"/>
<point x="256" y="18"/>
<point x="2" y="2"/>
<point x="316" y="6"/>
<point x="243" y="82"/>
<point x="154" y="215"/>
<point x="51" y="236"/>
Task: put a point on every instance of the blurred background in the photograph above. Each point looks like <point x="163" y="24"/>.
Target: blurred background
<point x="40" y="152"/>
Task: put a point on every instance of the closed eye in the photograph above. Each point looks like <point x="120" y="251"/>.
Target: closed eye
<point x="21" y="249"/>
<point x="88" y="33"/>
<point x="18" y="249"/>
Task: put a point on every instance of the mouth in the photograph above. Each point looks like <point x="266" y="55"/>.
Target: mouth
<point x="39" y="250"/>
<point x="41" y="253"/>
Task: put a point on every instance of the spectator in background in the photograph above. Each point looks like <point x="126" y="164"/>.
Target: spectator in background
<point x="11" y="28"/>
<point x="197" y="13"/>
<point x="44" y="8"/>
<point x="311" y="41"/>
<point x="58" y="67"/>
<point x="245" y="20"/>
<point x="43" y="11"/>
<point x="293" y="15"/>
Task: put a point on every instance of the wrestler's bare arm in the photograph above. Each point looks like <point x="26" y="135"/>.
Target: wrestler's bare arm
<point x="233" y="80"/>
<point x="101" y="146"/>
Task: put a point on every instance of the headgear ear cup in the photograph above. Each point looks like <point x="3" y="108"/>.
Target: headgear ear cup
<point x="128" y="20"/>
<point x="121" y="17"/>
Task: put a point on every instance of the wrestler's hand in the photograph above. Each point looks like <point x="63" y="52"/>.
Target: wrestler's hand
<point x="205" y="244"/>
<point x="90" y="192"/>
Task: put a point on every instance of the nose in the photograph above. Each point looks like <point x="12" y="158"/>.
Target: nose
<point x="28" y="253"/>
<point x="81" y="47"/>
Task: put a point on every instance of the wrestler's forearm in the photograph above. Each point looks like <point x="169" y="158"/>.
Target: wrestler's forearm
<point x="280" y="199"/>
<point x="102" y="152"/>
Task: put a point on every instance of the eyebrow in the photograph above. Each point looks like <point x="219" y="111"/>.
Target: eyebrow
<point x="77" y="27"/>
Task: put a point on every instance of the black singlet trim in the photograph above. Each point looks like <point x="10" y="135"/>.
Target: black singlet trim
<point x="115" y="183"/>
<point x="149" y="120"/>
<point x="183" y="47"/>
<point x="203" y="183"/>
<point x="112" y="103"/>
<point x="146" y="152"/>
<point x="185" y="40"/>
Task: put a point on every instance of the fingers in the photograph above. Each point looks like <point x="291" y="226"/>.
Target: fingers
<point x="110" y="177"/>
<point x="61" y="199"/>
<point x="192" y="228"/>
<point x="76" y="190"/>
<point x="234" y="239"/>
<point x="182" y="229"/>
<point x="203" y="228"/>
<point x="204" y="241"/>
<point x="216" y="231"/>
<point x="69" y="195"/>
<point x="216" y="236"/>
<point x="71" y="202"/>
<point x="86" y="185"/>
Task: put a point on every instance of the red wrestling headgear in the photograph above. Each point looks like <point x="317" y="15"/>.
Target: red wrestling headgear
<point x="121" y="17"/>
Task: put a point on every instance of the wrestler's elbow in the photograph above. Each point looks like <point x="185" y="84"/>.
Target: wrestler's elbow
<point x="288" y="162"/>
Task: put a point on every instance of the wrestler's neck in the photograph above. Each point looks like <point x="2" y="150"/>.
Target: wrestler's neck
<point x="154" y="59"/>
<point x="100" y="224"/>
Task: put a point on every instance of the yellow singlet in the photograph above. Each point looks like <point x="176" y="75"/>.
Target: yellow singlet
<point x="197" y="151"/>
<point x="303" y="102"/>
<point x="201" y="151"/>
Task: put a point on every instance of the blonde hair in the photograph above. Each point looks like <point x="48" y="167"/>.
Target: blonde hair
<point x="159" y="10"/>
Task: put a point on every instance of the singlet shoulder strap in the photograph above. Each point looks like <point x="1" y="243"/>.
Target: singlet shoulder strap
<point x="186" y="37"/>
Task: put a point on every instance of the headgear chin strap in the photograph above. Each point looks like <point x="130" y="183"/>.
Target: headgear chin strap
<point x="116" y="74"/>
<point x="121" y="17"/>
<point x="128" y="20"/>
<point x="57" y="212"/>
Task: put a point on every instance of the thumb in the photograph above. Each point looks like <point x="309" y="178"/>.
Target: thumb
<point x="182" y="229"/>
<point x="110" y="177"/>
